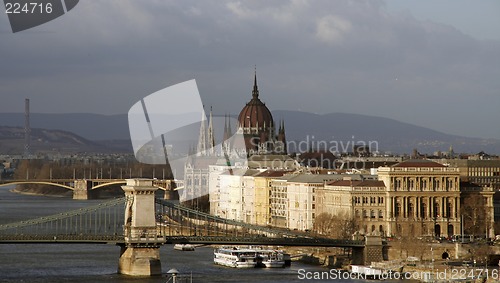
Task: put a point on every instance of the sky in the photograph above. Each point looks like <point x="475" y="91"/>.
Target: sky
<point x="432" y="63"/>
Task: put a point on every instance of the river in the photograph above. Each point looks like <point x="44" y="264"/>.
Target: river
<point x="98" y="263"/>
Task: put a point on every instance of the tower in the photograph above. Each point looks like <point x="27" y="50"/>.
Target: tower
<point x="202" y="139"/>
<point x="211" y="137"/>
<point x="256" y="124"/>
<point x="27" y="128"/>
<point x="226" y="142"/>
<point x="281" y="142"/>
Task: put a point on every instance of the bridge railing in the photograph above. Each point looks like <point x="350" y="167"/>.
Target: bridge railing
<point x="181" y="224"/>
<point x="104" y="219"/>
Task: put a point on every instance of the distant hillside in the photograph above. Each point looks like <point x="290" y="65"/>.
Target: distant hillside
<point x="43" y="140"/>
<point x="90" y="126"/>
<point x="391" y="135"/>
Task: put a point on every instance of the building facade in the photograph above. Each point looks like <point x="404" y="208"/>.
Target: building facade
<point x="363" y="201"/>
<point x="423" y="198"/>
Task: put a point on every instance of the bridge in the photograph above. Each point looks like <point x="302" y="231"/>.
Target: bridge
<point x="140" y="224"/>
<point x="83" y="188"/>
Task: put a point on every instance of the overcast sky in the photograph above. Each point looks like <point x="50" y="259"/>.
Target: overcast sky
<point x="430" y="63"/>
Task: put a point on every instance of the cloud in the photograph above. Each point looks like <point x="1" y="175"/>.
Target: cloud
<point x="320" y="56"/>
<point x="331" y="29"/>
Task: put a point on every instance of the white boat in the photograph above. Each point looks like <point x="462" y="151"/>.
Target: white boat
<point x="238" y="258"/>
<point x="367" y="271"/>
<point x="184" y="247"/>
<point x="271" y="258"/>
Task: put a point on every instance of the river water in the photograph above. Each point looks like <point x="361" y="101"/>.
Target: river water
<point x="98" y="263"/>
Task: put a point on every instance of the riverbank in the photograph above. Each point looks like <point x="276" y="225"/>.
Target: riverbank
<point x="319" y="256"/>
<point x="44" y="191"/>
<point x="54" y="191"/>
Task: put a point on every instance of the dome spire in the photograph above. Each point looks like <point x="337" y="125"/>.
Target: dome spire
<point x="255" y="92"/>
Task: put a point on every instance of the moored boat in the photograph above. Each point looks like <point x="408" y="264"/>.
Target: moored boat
<point x="271" y="258"/>
<point x="238" y="258"/>
<point x="184" y="247"/>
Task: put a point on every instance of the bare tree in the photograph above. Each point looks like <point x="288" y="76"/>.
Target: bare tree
<point x="475" y="214"/>
<point x="336" y="226"/>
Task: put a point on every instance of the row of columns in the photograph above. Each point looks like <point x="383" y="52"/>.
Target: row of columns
<point x="418" y="206"/>
<point x="431" y="183"/>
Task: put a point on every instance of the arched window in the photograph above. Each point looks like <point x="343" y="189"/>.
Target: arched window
<point x="423" y="211"/>
<point x="398" y="210"/>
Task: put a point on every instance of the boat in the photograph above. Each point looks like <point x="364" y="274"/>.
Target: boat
<point x="271" y="258"/>
<point x="368" y="272"/>
<point x="184" y="247"/>
<point x="238" y="258"/>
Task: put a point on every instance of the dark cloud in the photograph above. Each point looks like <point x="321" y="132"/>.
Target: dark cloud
<point x="317" y="56"/>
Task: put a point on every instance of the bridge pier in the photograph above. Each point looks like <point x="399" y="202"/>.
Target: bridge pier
<point x="371" y="252"/>
<point x="82" y="190"/>
<point x="140" y="255"/>
<point x="169" y="193"/>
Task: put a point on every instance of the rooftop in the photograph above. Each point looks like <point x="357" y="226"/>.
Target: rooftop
<point x="418" y="163"/>
<point x="356" y="183"/>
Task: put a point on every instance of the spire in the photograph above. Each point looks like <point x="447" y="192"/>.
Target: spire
<point x="227" y="133"/>
<point x="255" y="92"/>
<point x="202" y="139"/>
<point x="225" y="136"/>
<point x="211" y="136"/>
<point x="282" y="138"/>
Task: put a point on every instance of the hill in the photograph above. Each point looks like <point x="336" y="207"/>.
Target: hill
<point x="44" y="140"/>
<point x="333" y="128"/>
<point x="388" y="134"/>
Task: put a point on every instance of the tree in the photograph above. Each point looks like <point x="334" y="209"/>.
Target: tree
<point x="475" y="214"/>
<point x="336" y="226"/>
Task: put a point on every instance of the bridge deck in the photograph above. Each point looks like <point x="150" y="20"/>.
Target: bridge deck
<point x="103" y="223"/>
<point x="209" y="240"/>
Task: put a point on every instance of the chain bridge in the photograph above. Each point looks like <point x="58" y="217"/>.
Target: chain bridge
<point x="140" y="224"/>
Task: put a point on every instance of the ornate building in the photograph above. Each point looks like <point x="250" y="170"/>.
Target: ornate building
<point x="357" y="198"/>
<point x="422" y="198"/>
<point x="257" y="125"/>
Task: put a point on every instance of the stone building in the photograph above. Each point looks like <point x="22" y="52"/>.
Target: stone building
<point x="364" y="201"/>
<point x="234" y="186"/>
<point x="423" y="198"/>
<point x="293" y="199"/>
<point x="262" y="203"/>
<point x="480" y="172"/>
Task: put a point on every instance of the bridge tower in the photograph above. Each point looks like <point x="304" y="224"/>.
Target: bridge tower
<point x="140" y="255"/>
<point x="371" y="252"/>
